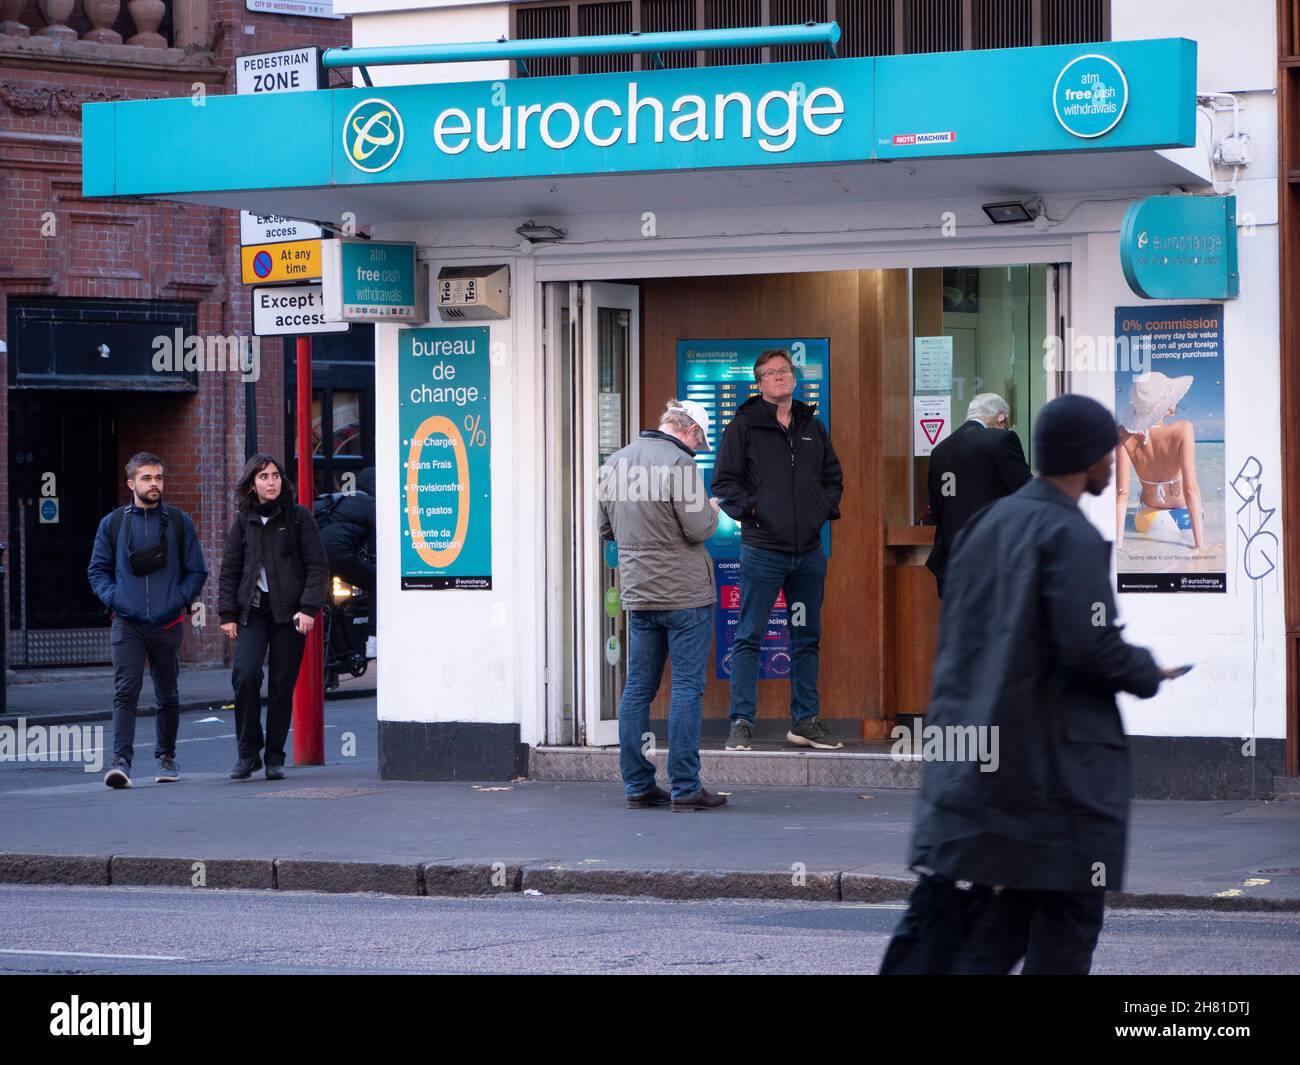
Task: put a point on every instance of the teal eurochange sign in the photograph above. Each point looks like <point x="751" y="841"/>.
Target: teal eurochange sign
<point x="1108" y="96"/>
<point x="1181" y="247"/>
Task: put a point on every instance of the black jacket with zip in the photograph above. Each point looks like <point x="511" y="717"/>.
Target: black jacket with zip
<point x="782" y="486"/>
<point x="297" y="574"/>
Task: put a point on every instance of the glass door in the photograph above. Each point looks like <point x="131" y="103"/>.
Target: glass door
<point x="609" y="328"/>
<point x="591" y="340"/>
<point x="985" y="329"/>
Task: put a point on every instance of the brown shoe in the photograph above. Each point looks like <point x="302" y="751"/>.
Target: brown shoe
<point x="701" y="800"/>
<point x="656" y="796"/>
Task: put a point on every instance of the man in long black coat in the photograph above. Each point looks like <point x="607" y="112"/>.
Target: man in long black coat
<point x="1028" y="647"/>
<point x="976" y="465"/>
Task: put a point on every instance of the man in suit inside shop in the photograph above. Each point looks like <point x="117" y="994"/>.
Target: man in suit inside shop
<point x="977" y="464"/>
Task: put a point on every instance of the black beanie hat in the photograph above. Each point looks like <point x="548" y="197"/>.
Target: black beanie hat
<point x="1072" y="432"/>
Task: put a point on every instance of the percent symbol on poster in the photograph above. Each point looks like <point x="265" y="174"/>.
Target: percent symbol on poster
<point x="474" y="426"/>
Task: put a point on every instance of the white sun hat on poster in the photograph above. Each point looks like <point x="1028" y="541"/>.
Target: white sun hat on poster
<point x="1150" y="396"/>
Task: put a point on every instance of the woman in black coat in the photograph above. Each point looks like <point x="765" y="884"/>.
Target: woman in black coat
<point x="273" y="583"/>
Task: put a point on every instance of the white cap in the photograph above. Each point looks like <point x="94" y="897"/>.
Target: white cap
<point x="696" y="412"/>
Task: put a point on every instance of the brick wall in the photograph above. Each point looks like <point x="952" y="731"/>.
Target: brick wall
<point x="142" y="250"/>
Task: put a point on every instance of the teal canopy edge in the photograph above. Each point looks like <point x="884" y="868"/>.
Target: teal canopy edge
<point x="995" y="102"/>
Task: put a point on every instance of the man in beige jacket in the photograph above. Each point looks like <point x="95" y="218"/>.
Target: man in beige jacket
<point x="654" y="506"/>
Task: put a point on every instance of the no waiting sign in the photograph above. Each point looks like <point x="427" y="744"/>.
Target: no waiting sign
<point x="292" y="310"/>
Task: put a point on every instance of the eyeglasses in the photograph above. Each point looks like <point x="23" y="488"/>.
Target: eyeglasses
<point x="776" y="373"/>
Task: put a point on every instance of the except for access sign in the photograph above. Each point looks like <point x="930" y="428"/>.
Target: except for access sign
<point x="373" y="281"/>
<point x="294" y="260"/>
<point x="291" y="310"/>
<point x="268" y="228"/>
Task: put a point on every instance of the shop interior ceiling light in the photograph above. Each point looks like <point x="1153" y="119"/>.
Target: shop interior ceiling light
<point x="530" y="230"/>
<point x="1012" y="211"/>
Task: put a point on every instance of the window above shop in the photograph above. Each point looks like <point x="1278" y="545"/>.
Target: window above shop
<point x="870" y="27"/>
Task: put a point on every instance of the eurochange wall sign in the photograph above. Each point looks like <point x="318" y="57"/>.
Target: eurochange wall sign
<point x="712" y="117"/>
<point x="1094" y="97"/>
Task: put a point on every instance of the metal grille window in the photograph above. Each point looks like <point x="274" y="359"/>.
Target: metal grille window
<point x="729" y="14"/>
<point x="1002" y="23"/>
<point x="596" y="19"/>
<point x="933" y="26"/>
<point x="868" y="27"/>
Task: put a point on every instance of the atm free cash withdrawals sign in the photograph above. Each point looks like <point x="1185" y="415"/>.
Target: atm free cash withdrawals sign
<point x="445" y="440"/>
<point x="370" y="281"/>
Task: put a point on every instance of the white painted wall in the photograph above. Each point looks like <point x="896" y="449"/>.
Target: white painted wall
<point x="429" y="23"/>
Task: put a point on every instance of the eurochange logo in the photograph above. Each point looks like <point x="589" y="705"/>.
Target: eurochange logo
<point x="776" y="119"/>
<point x="373" y="135"/>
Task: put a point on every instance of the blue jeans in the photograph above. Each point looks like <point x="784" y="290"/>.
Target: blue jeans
<point x="763" y="574"/>
<point x="655" y="636"/>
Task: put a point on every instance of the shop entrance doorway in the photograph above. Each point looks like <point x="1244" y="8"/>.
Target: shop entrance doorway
<point x="616" y="353"/>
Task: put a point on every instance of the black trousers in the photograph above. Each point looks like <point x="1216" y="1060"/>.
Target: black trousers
<point x="285" y="644"/>
<point x="131" y="644"/>
<point x="979" y="931"/>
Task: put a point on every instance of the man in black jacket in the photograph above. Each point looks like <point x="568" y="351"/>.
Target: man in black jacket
<point x="347" y="529"/>
<point x="977" y="464"/>
<point x="1029" y="660"/>
<point x="147" y="568"/>
<point x="777" y="474"/>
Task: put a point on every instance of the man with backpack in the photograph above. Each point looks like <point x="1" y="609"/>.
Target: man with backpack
<point x="147" y="568"/>
<point x="347" y="529"/>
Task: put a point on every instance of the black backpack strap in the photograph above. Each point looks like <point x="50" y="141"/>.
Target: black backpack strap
<point x="178" y="534"/>
<point x="115" y="528"/>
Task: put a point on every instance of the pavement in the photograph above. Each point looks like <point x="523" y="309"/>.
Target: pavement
<point x="339" y="828"/>
<point x="49" y="696"/>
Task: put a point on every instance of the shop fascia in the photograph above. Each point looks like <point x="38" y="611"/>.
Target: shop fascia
<point x="780" y="116"/>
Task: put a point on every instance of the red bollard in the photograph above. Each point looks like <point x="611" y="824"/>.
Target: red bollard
<point x="309" y="695"/>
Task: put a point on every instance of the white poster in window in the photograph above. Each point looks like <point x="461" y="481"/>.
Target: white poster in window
<point x="610" y="421"/>
<point x="933" y="364"/>
<point x="931" y="422"/>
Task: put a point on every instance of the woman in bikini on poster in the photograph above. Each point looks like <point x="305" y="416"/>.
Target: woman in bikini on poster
<point x="1162" y="459"/>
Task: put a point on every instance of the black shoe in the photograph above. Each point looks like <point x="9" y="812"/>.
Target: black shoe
<point x="167" y="771"/>
<point x="245" y="768"/>
<point x="274" y="772"/>
<point x="656" y="796"/>
<point x="120" y="775"/>
<point x="810" y="732"/>
<point x="742" y="735"/>
<point x="701" y="800"/>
